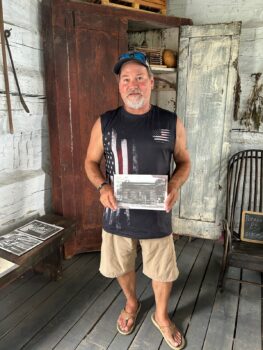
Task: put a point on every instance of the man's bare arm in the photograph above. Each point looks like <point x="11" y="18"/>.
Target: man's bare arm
<point x="183" y="165"/>
<point x="92" y="166"/>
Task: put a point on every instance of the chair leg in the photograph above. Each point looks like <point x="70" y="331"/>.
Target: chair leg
<point x="223" y="270"/>
<point x="221" y="283"/>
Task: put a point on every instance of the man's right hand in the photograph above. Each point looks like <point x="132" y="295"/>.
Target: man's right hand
<point x="107" y="197"/>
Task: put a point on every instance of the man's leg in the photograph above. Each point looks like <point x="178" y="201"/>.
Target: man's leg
<point x="128" y="286"/>
<point x="162" y="291"/>
<point x="118" y="256"/>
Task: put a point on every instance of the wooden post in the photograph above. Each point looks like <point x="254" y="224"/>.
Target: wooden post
<point x="9" y="109"/>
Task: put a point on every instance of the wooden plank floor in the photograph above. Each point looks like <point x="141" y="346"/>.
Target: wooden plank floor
<point x="80" y="311"/>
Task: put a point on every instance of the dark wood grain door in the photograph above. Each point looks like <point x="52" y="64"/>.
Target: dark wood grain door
<point x="93" y="42"/>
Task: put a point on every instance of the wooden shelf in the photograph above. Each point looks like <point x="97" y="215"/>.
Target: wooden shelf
<point x="159" y="70"/>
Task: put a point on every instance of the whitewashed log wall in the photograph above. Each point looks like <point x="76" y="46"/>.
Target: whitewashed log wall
<point x="250" y="54"/>
<point x="24" y="155"/>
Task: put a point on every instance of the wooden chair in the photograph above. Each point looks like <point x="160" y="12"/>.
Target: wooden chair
<point x="244" y="192"/>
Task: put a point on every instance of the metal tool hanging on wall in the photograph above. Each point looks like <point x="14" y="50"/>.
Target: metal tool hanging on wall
<point x="7" y="35"/>
<point x="9" y="109"/>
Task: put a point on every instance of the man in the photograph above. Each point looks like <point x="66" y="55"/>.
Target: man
<point x="138" y="138"/>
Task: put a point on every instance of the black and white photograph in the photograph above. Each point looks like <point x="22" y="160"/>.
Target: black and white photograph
<point x="141" y="191"/>
<point x="18" y="243"/>
<point x="40" y="229"/>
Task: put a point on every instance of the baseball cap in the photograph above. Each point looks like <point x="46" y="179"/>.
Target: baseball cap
<point x="136" y="56"/>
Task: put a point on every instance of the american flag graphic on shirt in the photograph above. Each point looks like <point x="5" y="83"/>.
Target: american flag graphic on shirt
<point x="118" y="162"/>
<point x="116" y="155"/>
<point x="161" y="135"/>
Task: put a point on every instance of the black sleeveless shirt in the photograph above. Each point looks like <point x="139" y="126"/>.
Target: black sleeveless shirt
<point x="138" y="144"/>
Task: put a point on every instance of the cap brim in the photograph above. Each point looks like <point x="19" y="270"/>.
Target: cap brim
<point x="119" y="64"/>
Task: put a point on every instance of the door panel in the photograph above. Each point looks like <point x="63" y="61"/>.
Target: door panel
<point x="92" y="52"/>
<point x="206" y="97"/>
<point x="206" y="81"/>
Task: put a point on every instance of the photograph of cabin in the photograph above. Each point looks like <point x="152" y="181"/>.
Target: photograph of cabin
<point x="140" y="191"/>
<point x="57" y="59"/>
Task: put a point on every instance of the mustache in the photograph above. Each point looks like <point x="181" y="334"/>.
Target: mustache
<point x="134" y="91"/>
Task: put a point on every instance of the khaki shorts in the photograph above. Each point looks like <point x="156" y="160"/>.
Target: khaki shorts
<point x="118" y="256"/>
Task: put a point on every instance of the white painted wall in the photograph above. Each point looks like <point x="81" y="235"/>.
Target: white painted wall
<point x="24" y="155"/>
<point x="250" y="54"/>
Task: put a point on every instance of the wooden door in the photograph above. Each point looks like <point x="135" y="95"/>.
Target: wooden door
<point x="93" y="45"/>
<point x="207" y="75"/>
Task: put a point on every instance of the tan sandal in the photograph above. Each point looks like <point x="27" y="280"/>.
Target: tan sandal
<point x="128" y="316"/>
<point x="172" y="329"/>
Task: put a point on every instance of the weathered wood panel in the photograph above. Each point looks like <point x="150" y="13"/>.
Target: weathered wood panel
<point x="250" y="62"/>
<point x="204" y="121"/>
<point x="226" y="138"/>
<point x="79" y="196"/>
<point x="24" y="14"/>
<point x="22" y="152"/>
<point x="206" y="80"/>
<point x="251" y="49"/>
<point x="24" y="187"/>
<point x="222" y="29"/>
<point x="23" y="194"/>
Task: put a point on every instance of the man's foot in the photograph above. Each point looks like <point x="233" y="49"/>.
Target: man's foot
<point x="171" y="334"/>
<point x="127" y="319"/>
